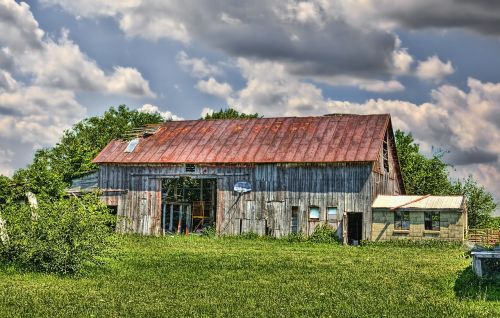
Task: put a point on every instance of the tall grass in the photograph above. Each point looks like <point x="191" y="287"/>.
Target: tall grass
<point x="233" y="277"/>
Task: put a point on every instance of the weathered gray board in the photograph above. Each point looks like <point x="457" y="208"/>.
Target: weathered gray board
<point x="136" y="191"/>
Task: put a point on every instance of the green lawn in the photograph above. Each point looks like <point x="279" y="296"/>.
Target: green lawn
<point x="194" y="276"/>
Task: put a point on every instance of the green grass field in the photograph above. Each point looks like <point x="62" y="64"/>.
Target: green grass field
<point x="195" y="276"/>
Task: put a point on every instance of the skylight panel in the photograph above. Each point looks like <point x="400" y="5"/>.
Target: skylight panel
<point x="132" y="144"/>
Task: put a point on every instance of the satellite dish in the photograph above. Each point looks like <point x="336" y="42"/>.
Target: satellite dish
<point x="242" y="187"/>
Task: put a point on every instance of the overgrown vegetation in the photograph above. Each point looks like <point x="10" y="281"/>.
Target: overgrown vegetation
<point x="422" y="175"/>
<point x="63" y="234"/>
<point x="59" y="235"/>
<point x="231" y="277"/>
<point x="323" y="233"/>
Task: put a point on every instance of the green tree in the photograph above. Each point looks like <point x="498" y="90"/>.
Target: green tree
<point x="229" y="113"/>
<point x="39" y="177"/>
<point x="73" y="155"/>
<point x="421" y="175"/>
<point x="480" y="203"/>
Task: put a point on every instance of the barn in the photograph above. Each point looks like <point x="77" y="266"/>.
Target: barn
<point x="271" y="176"/>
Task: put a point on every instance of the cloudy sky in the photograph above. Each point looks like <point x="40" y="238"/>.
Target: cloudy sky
<point x="433" y="65"/>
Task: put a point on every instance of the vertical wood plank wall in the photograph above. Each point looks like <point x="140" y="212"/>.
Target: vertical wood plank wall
<point x="136" y="190"/>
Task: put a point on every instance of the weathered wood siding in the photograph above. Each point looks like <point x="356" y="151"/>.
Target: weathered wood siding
<point x="136" y="191"/>
<point x="387" y="182"/>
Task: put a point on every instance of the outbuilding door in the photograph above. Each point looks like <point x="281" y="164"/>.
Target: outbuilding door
<point x="354" y="228"/>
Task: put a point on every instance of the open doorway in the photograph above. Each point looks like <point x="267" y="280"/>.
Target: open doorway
<point x="188" y="204"/>
<point x="354" y="228"/>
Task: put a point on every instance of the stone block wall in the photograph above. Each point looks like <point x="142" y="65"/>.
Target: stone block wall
<point x="452" y="226"/>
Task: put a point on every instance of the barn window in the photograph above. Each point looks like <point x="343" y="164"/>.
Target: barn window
<point x="385" y="154"/>
<point x="189" y="167"/>
<point x="432" y="221"/>
<point x="402" y="220"/>
<point x="314" y="213"/>
<point x="332" y="215"/>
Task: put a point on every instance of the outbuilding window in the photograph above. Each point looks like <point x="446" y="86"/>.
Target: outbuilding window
<point x="401" y="220"/>
<point x="332" y="215"/>
<point x="432" y="221"/>
<point x="313" y="213"/>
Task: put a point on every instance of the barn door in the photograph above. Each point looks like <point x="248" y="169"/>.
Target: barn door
<point x="279" y="223"/>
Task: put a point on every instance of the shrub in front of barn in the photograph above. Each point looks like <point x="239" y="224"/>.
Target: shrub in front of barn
<point x="324" y="233"/>
<point x="59" y="236"/>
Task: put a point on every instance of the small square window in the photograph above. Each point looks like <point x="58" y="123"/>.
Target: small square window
<point x="332" y="214"/>
<point x="314" y="213"/>
<point x="401" y="220"/>
<point x="432" y="221"/>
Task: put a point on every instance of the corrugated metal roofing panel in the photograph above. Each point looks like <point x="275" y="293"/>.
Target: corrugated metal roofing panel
<point x="413" y="202"/>
<point x="340" y="138"/>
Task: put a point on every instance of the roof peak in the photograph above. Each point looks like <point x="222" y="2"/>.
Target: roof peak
<point x="288" y="117"/>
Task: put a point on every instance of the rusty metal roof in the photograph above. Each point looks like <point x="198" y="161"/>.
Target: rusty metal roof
<point x="339" y="138"/>
<point x="419" y="202"/>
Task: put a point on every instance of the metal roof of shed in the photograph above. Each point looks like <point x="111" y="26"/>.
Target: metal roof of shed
<point x="418" y="202"/>
<point x="338" y="138"/>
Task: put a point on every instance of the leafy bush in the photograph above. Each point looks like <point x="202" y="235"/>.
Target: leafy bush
<point x="209" y="231"/>
<point x="60" y="236"/>
<point x="324" y="233"/>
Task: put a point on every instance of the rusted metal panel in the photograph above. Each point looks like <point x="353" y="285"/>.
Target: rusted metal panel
<point x="345" y="138"/>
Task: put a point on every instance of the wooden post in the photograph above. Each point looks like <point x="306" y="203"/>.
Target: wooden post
<point x="476" y="266"/>
<point x="171" y="223"/>
<point x="344" y="228"/>
<point x="180" y="220"/>
<point x="188" y="219"/>
<point x="164" y="217"/>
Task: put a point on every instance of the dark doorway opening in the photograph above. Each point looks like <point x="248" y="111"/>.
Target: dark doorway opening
<point x="294" y="226"/>
<point x="354" y="228"/>
<point x="113" y="210"/>
<point x="188" y="204"/>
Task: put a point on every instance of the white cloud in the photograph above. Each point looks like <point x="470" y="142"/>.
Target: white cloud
<point x="7" y="82"/>
<point x="153" y="27"/>
<point x="61" y="64"/>
<point x="302" y="35"/>
<point x="206" y="111"/>
<point x="229" y="19"/>
<point x="152" y="109"/>
<point x="198" y="68"/>
<point x="127" y="80"/>
<point x="37" y="115"/>
<point x="402" y="61"/>
<point x="39" y="80"/>
<point x="304" y="12"/>
<point x="434" y="69"/>
<point x="20" y="31"/>
<point x="383" y="87"/>
<point x="213" y="87"/>
<point x="6" y="157"/>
